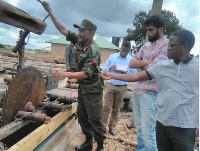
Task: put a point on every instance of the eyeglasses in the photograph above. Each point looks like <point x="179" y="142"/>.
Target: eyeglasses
<point x="172" y="45"/>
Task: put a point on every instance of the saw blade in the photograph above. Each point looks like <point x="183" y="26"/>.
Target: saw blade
<point x="27" y="86"/>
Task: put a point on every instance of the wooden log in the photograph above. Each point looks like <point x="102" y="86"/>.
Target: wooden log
<point x="129" y="142"/>
<point x="126" y="141"/>
<point x="16" y="17"/>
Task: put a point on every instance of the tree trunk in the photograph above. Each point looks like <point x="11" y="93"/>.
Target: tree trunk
<point x="156" y="7"/>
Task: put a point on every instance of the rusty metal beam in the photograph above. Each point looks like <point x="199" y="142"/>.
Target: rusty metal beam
<point x="16" y="17"/>
<point x="35" y="138"/>
<point x="9" y="129"/>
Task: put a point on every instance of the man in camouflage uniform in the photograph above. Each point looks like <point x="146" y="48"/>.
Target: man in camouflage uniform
<point x="90" y="104"/>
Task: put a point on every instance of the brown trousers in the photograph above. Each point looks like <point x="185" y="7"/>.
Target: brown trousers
<point x="113" y="98"/>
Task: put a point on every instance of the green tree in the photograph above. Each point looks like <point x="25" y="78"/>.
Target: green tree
<point x="138" y="34"/>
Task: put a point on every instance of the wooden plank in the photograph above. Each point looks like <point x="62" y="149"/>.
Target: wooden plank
<point x="16" y="17"/>
<point x="31" y="141"/>
<point x="61" y="138"/>
<point x="64" y="142"/>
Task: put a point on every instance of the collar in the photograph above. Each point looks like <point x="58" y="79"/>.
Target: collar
<point x="186" y="61"/>
<point x="159" y="40"/>
<point x="84" y="46"/>
<point x="118" y="56"/>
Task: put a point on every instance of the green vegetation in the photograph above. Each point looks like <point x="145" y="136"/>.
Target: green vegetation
<point x="138" y="34"/>
<point x="10" y="48"/>
<point x="30" y="51"/>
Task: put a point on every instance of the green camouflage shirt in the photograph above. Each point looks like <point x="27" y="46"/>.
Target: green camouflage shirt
<point x="85" y="55"/>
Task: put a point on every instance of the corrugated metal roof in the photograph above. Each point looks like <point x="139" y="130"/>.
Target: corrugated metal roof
<point x="61" y="40"/>
<point x="100" y="40"/>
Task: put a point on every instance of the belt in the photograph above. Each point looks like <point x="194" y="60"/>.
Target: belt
<point x="118" y="85"/>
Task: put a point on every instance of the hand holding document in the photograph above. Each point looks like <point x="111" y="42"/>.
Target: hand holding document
<point x="120" y="68"/>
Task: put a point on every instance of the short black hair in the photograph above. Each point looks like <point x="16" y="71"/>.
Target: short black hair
<point x="185" y="37"/>
<point x="126" y="43"/>
<point x="156" y="21"/>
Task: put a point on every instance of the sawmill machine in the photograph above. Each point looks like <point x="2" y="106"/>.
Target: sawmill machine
<point x="34" y="113"/>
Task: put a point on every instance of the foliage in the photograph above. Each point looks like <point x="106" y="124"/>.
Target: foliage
<point x="138" y="34"/>
<point x="1" y="46"/>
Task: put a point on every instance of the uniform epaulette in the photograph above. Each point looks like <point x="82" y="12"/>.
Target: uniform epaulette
<point x="94" y="52"/>
<point x="92" y="46"/>
<point x="86" y="48"/>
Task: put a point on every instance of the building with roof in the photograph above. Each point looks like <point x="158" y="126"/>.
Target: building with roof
<point x="107" y="48"/>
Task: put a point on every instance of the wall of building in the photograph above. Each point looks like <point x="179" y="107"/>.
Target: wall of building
<point x="105" y="53"/>
<point x="59" y="51"/>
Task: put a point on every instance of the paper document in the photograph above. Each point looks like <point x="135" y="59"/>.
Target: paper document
<point x="122" y="67"/>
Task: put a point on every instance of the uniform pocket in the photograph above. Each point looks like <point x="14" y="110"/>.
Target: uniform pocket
<point x="97" y="109"/>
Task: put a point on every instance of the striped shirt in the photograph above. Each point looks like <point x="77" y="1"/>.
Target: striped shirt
<point x="156" y="52"/>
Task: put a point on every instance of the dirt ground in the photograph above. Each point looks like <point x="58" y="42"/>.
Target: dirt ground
<point x="125" y="138"/>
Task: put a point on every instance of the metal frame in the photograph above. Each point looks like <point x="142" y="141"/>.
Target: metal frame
<point x="34" y="139"/>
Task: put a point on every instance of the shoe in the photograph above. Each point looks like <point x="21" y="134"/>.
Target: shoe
<point x="112" y="131"/>
<point x="84" y="147"/>
<point x="100" y="146"/>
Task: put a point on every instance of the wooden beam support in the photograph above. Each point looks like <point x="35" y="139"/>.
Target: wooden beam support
<point x="16" y="17"/>
<point x="31" y="141"/>
<point x="61" y="138"/>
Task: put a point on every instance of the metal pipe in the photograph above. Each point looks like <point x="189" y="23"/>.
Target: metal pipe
<point x="40" y="117"/>
<point x="29" y="107"/>
<point x="54" y="106"/>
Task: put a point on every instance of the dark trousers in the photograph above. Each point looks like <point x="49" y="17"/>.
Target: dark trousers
<point x="174" y="138"/>
<point x="90" y="115"/>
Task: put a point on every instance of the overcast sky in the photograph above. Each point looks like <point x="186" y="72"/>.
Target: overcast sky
<point x="112" y="17"/>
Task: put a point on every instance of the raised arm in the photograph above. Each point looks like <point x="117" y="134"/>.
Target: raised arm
<point x="132" y="77"/>
<point x="58" y="25"/>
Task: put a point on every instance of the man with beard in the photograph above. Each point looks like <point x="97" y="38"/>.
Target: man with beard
<point x="90" y="91"/>
<point x="145" y="92"/>
<point x="177" y="116"/>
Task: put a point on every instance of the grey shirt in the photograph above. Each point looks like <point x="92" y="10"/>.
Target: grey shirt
<point x="178" y="92"/>
<point x="70" y="52"/>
